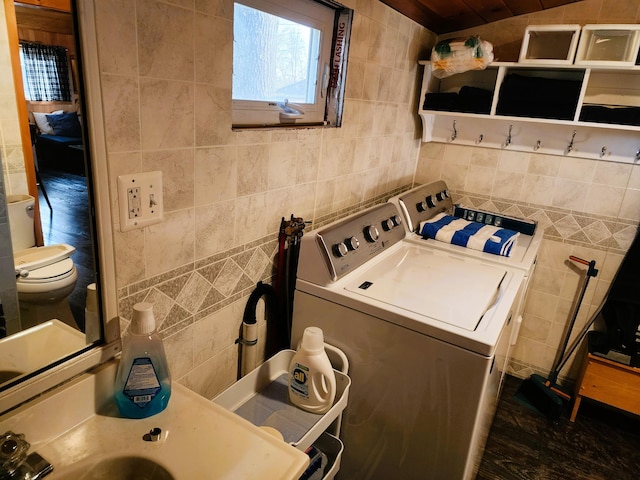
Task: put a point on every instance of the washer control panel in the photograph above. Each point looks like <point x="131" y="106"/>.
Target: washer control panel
<point x="423" y="203"/>
<point x="522" y="225"/>
<point x="426" y="201"/>
<point x="349" y="243"/>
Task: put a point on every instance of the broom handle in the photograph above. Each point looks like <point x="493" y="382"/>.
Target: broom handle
<point x="591" y="272"/>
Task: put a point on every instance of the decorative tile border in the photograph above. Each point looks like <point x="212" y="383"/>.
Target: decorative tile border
<point x="194" y="291"/>
<point x="567" y="226"/>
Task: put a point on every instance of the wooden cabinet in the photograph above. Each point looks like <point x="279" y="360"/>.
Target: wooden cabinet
<point x="608" y="382"/>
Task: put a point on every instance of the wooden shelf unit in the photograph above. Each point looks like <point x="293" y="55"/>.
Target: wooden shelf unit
<point x="608" y="382"/>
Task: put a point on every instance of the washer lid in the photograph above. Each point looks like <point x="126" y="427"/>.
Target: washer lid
<point x="454" y="290"/>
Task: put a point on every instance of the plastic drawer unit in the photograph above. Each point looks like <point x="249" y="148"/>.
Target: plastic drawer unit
<point x="262" y="398"/>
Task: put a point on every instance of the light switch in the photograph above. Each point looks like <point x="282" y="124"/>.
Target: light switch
<point x="140" y="200"/>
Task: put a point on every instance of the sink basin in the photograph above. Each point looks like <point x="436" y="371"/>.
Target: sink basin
<point x="122" y="468"/>
<point x="37" y="347"/>
<point x="77" y="428"/>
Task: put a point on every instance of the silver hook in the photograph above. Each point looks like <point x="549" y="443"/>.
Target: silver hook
<point x="570" y="146"/>
<point x="637" y="157"/>
<point x="603" y="152"/>
<point x="454" y="135"/>
<point x="508" y="140"/>
<point x="537" y="145"/>
<point x="480" y="139"/>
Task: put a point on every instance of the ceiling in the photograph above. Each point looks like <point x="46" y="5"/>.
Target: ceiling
<point x="439" y="16"/>
<point x="445" y="16"/>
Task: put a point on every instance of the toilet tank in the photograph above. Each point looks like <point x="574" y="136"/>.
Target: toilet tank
<point x="20" y="209"/>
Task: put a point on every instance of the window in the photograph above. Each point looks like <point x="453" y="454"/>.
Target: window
<point x="45" y="73"/>
<point x="284" y="62"/>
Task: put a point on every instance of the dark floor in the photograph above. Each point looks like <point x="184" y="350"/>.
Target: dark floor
<point x="67" y="221"/>
<point x="602" y="444"/>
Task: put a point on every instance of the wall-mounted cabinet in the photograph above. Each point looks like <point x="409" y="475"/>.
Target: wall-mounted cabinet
<point x="537" y="106"/>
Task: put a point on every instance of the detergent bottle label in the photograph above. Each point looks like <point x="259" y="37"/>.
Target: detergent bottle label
<point x="142" y="384"/>
<point x="299" y="379"/>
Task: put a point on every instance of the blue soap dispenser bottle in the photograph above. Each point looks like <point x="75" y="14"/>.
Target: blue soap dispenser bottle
<point x="143" y="382"/>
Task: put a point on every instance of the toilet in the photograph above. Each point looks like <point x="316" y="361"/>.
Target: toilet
<point x="45" y="276"/>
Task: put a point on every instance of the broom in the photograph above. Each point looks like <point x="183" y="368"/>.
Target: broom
<point x="544" y="395"/>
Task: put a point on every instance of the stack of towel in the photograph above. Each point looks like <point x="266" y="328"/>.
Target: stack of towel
<point x="474" y="235"/>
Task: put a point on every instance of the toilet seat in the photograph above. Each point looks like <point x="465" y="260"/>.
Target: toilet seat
<point x="36" y="257"/>
<point x="53" y="279"/>
<point x="45" y="273"/>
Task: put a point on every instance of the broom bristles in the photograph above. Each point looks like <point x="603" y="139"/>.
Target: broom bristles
<point x="535" y="394"/>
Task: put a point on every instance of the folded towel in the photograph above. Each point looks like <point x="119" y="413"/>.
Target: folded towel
<point x="474" y="235"/>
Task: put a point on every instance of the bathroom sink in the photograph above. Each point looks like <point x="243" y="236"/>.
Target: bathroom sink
<point x="122" y="468"/>
<point x="37" y="347"/>
<point x="77" y="428"/>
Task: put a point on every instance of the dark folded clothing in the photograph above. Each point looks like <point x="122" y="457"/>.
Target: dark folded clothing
<point x="538" y="97"/>
<point x="475" y="100"/>
<point x="441" y="101"/>
<point x="468" y="100"/>
<point x="613" y="115"/>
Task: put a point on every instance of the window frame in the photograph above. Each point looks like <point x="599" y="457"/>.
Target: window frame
<point x="330" y="79"/>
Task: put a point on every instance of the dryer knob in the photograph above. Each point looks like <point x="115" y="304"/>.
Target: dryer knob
<point x="396" y="220"/>
<point x="340" y="249"/>
<point x="387" y="225"/>
<point x="371" y="234"/>
<point x="352" y="243"/>
<point x="421" y="206"/>
<point x="431" y="201"/>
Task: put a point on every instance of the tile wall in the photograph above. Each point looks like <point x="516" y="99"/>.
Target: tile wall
<point x="587" y="208"/>
<point x="166" y="88"/>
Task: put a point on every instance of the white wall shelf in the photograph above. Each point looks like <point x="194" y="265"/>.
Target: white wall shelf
<point x="490" y="114"/>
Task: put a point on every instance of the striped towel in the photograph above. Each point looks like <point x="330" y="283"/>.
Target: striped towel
<point x="474" y="235"/>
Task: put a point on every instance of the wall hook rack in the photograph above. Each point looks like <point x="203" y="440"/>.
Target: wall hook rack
<point x="454" y="135"/>
<point x="637" y="157"/>
<point x="480" y="139"/>
<point x="603" y="151"/>
<point x="537" y="145"/>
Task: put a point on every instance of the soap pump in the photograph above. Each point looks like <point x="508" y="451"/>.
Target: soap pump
<point x="143" y="382"/>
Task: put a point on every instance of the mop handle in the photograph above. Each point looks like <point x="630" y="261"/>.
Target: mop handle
<point x="591" y="272"/>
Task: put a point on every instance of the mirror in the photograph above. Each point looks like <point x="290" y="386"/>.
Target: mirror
<point x="53" y="195"/>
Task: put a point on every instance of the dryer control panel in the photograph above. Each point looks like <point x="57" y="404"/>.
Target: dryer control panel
<point x="423" y="203"/>
<point x="328" y="253"/>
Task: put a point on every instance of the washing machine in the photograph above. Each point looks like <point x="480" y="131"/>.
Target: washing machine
<point x="422" y="329"/>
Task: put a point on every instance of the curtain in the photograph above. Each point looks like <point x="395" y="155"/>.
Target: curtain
<point x="45" y="72"/>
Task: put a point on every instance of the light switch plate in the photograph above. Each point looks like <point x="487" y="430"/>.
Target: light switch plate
<point x="140" y="200"/>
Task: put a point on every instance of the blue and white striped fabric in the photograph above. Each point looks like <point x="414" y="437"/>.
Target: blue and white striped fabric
<point x="474" y="235"/>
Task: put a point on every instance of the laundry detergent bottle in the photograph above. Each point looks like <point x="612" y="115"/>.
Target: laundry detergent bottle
<point x="143" y="382"/>
<point x="312" y="381"/>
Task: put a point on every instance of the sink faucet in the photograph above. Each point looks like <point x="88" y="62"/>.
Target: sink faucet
<point x="15" y="461"/>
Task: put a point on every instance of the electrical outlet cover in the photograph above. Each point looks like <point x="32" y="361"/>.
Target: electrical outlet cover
<point x="140" y="200"/>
